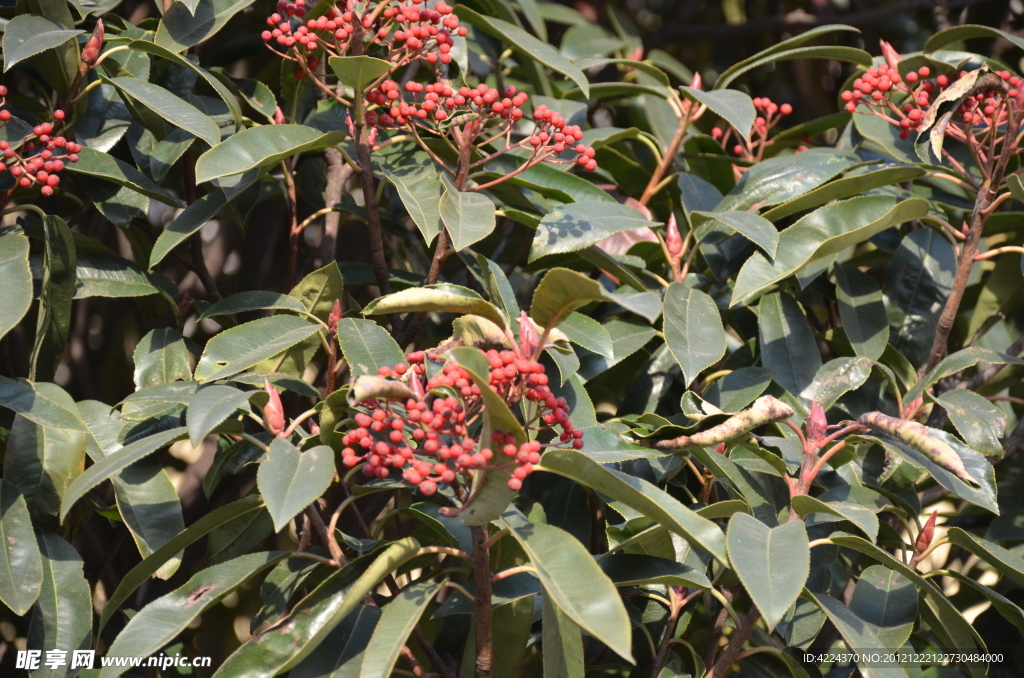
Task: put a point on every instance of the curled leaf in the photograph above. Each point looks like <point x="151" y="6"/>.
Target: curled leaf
<point x="916" y="436"/>
<point x="765" y="410"/>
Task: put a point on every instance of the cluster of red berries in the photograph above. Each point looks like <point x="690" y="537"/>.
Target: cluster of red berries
<point x="555" y="136"/>
<point x="419" y="31"/>
<point x="770" y="114"/>
<point x="984" y="108"/>
<point x="41" y="157"/>
<point x="441" y="101"/>
<point x="428" y="438"/>
<point x="879" y="84"/>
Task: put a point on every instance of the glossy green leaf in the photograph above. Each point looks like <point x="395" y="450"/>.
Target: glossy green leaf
<point x="108" y="466"/>
<point x="918" y="282"/>
<point x="588" y="333"/>
<point x="238" y="536"/>
<point x="785" y="177"/>
<point x="562" y="291"/>
<point x="261" y="147"/>
<point x="442" y="297"/>
<point x="290" y="480"/>
<point x="741" y="67"/>
<point x="639" y="495"/>
<point x="836" y="378"/>
<point x="958" y="362"/>
<point x="826" y="231"/>
<point x="182" y="28"/>
<point x="863" y="518"/>
<point x="358" y="72"/>
<point x="102" y="166"/>
<point x="579" y="225"/>
<point x="44" y="404"/>
<point x="859" y="636"/>
<point x="400" y="617"/>
<point x="253" y="300"/>
<point x="210" y="407"/>
<point x="156" y="560"/>
<point x="574" y="582"/>
<point x="561" y="642"/>
<point x="29" y="34"/>
<point x="950" y="36"/>
<point x="107" y="275"/>
<point x="162" y="620"/>
<point x="693" y="329"/>
<point x="420" y="189"/>
<point x="367" y="346"/>
<point x="1007" y="562"/>
<point x="469" y="217"/>
<point x="161" y="357"/>
<point x="772" y="562"/>
<point x="787" y="343"/>
<point x="734" y="107"/>
<point x="42" y="461"/>
<point x="160" y="399"/>
<point x="15" y="279"/>
<point x="243" y="346"/>
<point x="887" y="601"/>
<point x="634" y="569"/>
<point x="189" y="221"/>
<point x="757" y="230"/>
<point x="527" y="45"/>
<point x="739" y="388"/>
<point x="862" y="311"/>
<point x="58" y="289"/>
<point x="979" y="422"/>
<point x="62" y="616"/>
<point x="848" y="186"/>
<point x="546" y="179"/>
<point x="21" y="565"/>
<point x="174" y="110"/>
<point x="341" y="653"/>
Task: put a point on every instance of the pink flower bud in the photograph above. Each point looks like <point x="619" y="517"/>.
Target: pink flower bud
<point x="334" y="317"/>
<point x="673" y="240"/>
<point x="696" y="82"/>
<point x="638" y="54"/>
<point x="892" y="57"/>
<point x="273" y="412"/>
<point x="278" y="116"/>
<point x="816" y="424"/>
<point x="91" y="51"/>
<point x="924" y="540"/>
<point x="528" y="339"/>
<point x="313" y="428"/>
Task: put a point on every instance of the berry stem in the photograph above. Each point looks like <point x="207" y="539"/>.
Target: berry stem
<point x="484" y="619"/>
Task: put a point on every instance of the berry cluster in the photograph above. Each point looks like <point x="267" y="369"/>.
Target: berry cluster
<point x="555" y="136"/>
<point x="428" y="437"/>
<point x="879" y="85"/>
<point x="41" y="156"/>
<point x="440" y="101"/>
<point x="769" y="115"/>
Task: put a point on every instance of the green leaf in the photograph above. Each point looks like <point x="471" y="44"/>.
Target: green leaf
<point x="21" y="565"/>
<point x="102" y="166"/>
<point x="341" y="653"/>
<point x="367" y="346"/>
<point x="145" y="496"/>
<point x="400" y="617"/>
<point x="54" y="318"/>
<point x="44" y="404"/>
<point x="189" y="221"/>
<point x="62" y="616"/>
<point x="958" y="362"/>
<point x="561" y="642"/>
<point x="584" y="331"/>
<point x="261" y="147"/>
<point x="108" y="275"/>
<point x="848" y="186"/>
<point x="1007" y="562"/>
<point x="469" y="217"/>
<point x="29" y="34"/>
<point x="785" y="177"/>
<point x="114" y="463"/>
<point x="964" y="32"/>
<point x="42" y="461"/>
<point x="253" y="300"/>
<point x="160" y="621"/>
<point x="693" y="329"/>
<point x="862" y="311"/>
<point x="836" y="378"/>
<point x="243" y="346"/>
<point x="734" y="107"/>
<point x="739" y="388"/>
<point x="826" y="231"/>
<point x="152" y="563"/>
<point x="290" y="480"/>
<point x="865" y="519"/>
<point x="526" y="45"/>
<point x="443" y="297"/>
<point x="546" y="179"/>
<point x="627" y="339"/>
<point x="210" y="407"/>
<point x="562" y="291"/>
<point x="980" y="422"/>
<point x="634" y="569"/>
<point x="420" y="189"/>
<point x="772" y="562"/>
<point x="579" y="225"/>
<point x="15" y="279"/>
<point x="181" y="28"/>
<point x="639" y="495"/>
<point x="860" y="637"/>
<point x="174" y="110"/>
<point x="314" y="617"/>
<point x="358" y="72"/>
<point x="788" y="346"/>
<point x="238" y="536"/>
<point x="156" y="400"/>
<point x="917" y="284"/>
<point x="757" y="230"/>
<point x="161" y="358"/>
<point x="574" y="582"/>
<point x="887" y="601"/>
<point x="764" y="56"/>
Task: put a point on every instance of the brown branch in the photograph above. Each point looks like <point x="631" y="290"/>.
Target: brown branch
<point x="732" y="651"/>
<point x="326" y="538"/>
<point x="668" y="158"/>
<point x="338" y="174"/>
<point x="484" y="621"/>
<point x="717" y="626"/>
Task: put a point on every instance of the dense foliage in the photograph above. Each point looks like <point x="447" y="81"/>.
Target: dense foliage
<point x="514" y="360"/>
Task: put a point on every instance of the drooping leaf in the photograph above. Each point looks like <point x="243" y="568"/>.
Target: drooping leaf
<point x="693" y="329"/>
<point x="21" y="565"/>
<point x="29" y="34"/>
<point x="787" y="343"/>
<point x="341" y="653"/>
<point x="191" y="219"/>
<point x="862" y="311"/>
<point x="741" y="67"/>
<point x="442" y="297"/>
<point x="253" y="300"/>
<point x="15" y="280"/>
<point x="579" y="225"/>
<point x="396" y="624"/>
<point x="62" y="616"/>
<point x="1007" y="562"/>
<point x="865" y="519"/>
<point x="562" y="644"/>
<point x="562" y="291"/>
<point x="588" y="333"/>
<point x="772" y="562"/>
<point x="859" y="636"/>
<point x="58" y="289"/>
<point x="733" y="106"/>
<point x="757" y="230"/>
<point x="174" y="110"/>
<point x="210" y="407"/>
<point x="45" y="404"/>
<point x="243" y="346"/>
<point x="103" y="166"/>
<point x="290" y="480"/>
<point x="848" y="186"/>
<point x="260" y="147"/>
<point x="469" y="217"/>
<point x="979" y="421"/>
<point x="420" y="189"/>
